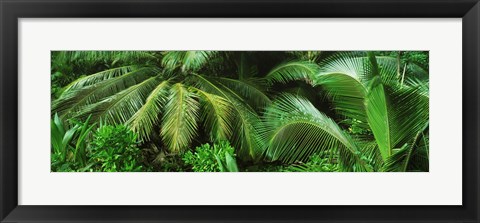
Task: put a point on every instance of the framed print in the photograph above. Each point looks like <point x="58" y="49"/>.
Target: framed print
<point x="175" y="111"/>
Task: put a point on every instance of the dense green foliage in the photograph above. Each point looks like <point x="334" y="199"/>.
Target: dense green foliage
<point x="69" y="144"/>
<point x="240" y="111"/>
<point x="317" y="163"/>
<point x="114" y="149"/>
<point x="216" y="158"/>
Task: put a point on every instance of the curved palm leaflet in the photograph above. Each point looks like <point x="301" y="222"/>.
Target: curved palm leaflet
<point x="314" y="111"/>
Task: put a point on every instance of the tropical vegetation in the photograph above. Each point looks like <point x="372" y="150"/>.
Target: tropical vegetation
<point x="248" y="111"/>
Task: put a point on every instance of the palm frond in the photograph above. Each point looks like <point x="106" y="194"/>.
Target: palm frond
<point x="180" y="119"/>
<point x="398" y="161"/>
<point x="147" y="117"/>
<point x="362" y="67"/>
<point x="389" y="73"/>
<point x="217" y="115"/>
<point x="388" y="70"/>
<point x="421" y="85"/>
<point x="370" y="152"/>
<point x="120" y="107"/>
<point x="419" y="159"/>
<point x="346" y="93"/>
<point x="246" y="123"/>
<point x="74" y="100"/>
<point x="251" y="89"/>
<point x="409" y="114"/>
<point x="344" y="77"/>
<point x="351" y="64"/>
<point x="187" y="60"/>
<point x="100" y="76"/>
<point x="246" y="138"/>
<point x="291" y="71"/>
<point x="294" y="130"/>
<point x="401" y="160"/>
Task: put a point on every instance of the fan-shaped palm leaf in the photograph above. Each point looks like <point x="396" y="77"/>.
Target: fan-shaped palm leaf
<point x="294" y="130"/>
<point x="344" y="77"/>
<point x="346" y="92"/>
<point x="352" y="64"/>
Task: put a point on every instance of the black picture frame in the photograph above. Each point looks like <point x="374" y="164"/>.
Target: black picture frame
<point x="11" y="11"/>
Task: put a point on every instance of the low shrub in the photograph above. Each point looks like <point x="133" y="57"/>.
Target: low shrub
<point x="217" y="158"/>
<point x="115" y="149"/>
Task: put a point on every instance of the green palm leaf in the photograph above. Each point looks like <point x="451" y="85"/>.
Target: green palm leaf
<point x="421" y="86"/>
<point x="246" y="138"/>
<point x="370" y="152"/>
<point x="395" y="124"/>
<point x="294" y="130"/>
<point x="352" y="64"/>
<point x="217" y="115"/>
<point x="100" y="76"/>
<point x="344" y="77"/>
<point x="291" y="71"/>
<point x="246" y="122"/>
<point x="378" y="117"/>
<point x="250" y="89"/>
<point x="147" y="117"/>
<point x="187" y="60"/>
<point x="419" y="159"/>
<point x="388" y="70"/>
<point x="398" y="161"/>
<point x="120" y="107"/>
<point x="409" y="114"/>
<point x="346" y="92"/>
<point x="74" y="100"/>
<point x="401" y="160"/>
<point x="179" y="124"/>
